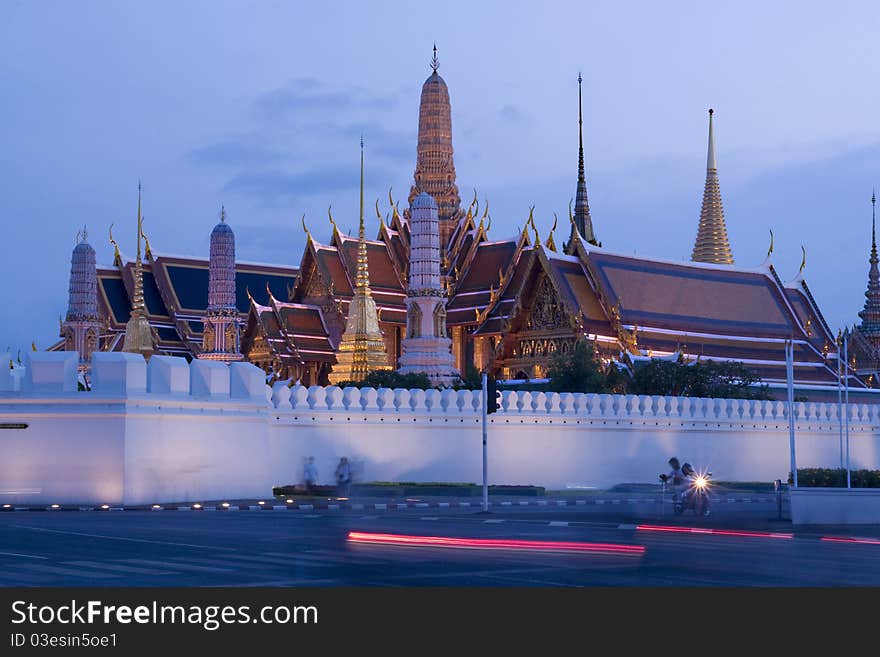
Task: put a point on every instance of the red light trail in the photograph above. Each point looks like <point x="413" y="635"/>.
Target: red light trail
<point x="495" y="544"/>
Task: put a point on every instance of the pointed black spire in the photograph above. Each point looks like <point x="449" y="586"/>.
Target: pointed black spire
<point x="582" y="219"/>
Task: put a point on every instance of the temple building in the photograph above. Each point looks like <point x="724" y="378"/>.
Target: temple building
<point x="864" y="338"/>
<point x="506" y="304"/>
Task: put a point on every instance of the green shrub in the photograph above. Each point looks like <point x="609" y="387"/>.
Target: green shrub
<point x="391" y="379"/>
<point x="836" y="478"/>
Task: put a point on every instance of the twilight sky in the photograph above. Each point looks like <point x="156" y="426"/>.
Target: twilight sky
<point x="259" y="105"/>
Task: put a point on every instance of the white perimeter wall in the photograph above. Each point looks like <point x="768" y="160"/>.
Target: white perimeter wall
<point x="174" y="432"/>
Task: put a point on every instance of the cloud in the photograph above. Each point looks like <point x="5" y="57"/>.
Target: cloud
<point x="276" y="188"/>
<point x="242" y="151"/>
<point x="307" y="95"/>
<point x="511" y="113"/>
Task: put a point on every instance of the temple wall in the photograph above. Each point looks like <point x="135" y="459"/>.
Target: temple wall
<point x="169" y="431"/>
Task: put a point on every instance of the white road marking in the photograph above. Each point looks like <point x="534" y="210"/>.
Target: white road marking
<point x="381" y="506"/>
<point x="369" y="517"/>
<point x="580" y="502"/>
<point x="23" y="556"/>
<point x="444" y="505"/>
<point x="558" y="523"/>
<point x="494" y="521"/>
<point x="122" y="569"/>
<point x="178" y="566"/>
<point x="523" y="503"/>
<point x="88" y="574"/>
<point x="122" y="538"/>
<point x="626" y="526"/>
<point x="429" y="518"/>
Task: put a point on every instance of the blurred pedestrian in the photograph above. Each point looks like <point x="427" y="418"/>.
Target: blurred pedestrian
<point x="343" y="478"/>
<point x="310" y="474"/>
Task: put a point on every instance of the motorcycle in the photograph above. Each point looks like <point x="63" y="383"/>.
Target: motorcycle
<point x="695" y="496"/>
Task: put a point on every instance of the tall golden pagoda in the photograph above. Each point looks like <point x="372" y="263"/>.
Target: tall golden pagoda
<point x="362" y="348"/>
<point x="140" y="337"/>
<point x="712" y="245"/>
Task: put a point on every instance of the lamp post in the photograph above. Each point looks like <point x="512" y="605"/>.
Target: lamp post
<point x="840" y="396"/>
<point x="846" y="399"/>
<point x="789" y="373"/>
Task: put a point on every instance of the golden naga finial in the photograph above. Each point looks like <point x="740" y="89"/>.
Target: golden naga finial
<point x="770" y="250"/>
<point x="489" y="225"/>
<point x="269" y="292"/>
<point x="330" y="216"/>
<point x="486" y="210"/>
<point x="394" y="211"/>
<point x="33" y="345"/>
<point x="117" y="258"/>
<point x="306" y="228"/>
<point x="148" y="252"/>
<point x="570" y="215"/>
<point x="378" y="212"/>
<point x="803" y="260"/>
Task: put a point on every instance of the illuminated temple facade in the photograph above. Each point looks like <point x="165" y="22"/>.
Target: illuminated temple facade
<point x="509" y="302"/>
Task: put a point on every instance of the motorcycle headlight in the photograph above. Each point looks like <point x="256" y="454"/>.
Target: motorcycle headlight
<point x="701" y="482"/>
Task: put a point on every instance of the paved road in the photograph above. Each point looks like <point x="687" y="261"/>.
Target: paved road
<point x="299" y="548"/>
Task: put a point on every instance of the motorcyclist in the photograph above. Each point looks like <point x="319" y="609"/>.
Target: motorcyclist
<point x="675" y="479"/>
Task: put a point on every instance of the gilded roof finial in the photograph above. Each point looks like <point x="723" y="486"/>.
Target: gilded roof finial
<point x="486" y="211"/>
<point x="770" y="250"/>
<point x="803" y="260"/>
<point x="306" y="228"/>
<point x="148" y="252"/>
<point x="330" y="215"/>
<point x="117" y="258"/>
<point x="435" y="63"/>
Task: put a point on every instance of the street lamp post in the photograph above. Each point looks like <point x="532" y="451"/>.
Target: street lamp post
<point x="789" y="372"/>
<point x="846" y="400"/>
<point x="485" y="455"/>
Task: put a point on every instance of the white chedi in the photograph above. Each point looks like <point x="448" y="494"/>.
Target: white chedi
<point x="426" y="348"/>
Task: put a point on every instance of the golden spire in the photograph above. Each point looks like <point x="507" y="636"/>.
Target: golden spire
<point x="137" y="302"/>
<point x="362" y="348"/>
<point x="435" y="63"/>
<point x="711" y="244"/>
<point x="363" y="273"/>
<point x="140" y="337"/>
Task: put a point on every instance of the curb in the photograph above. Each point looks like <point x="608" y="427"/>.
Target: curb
<point x="353" y="506"/>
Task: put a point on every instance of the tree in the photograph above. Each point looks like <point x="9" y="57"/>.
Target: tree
<point x="728" y="379"/>
<point x="580" y="370"/>
<point x="391" y="379"/>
